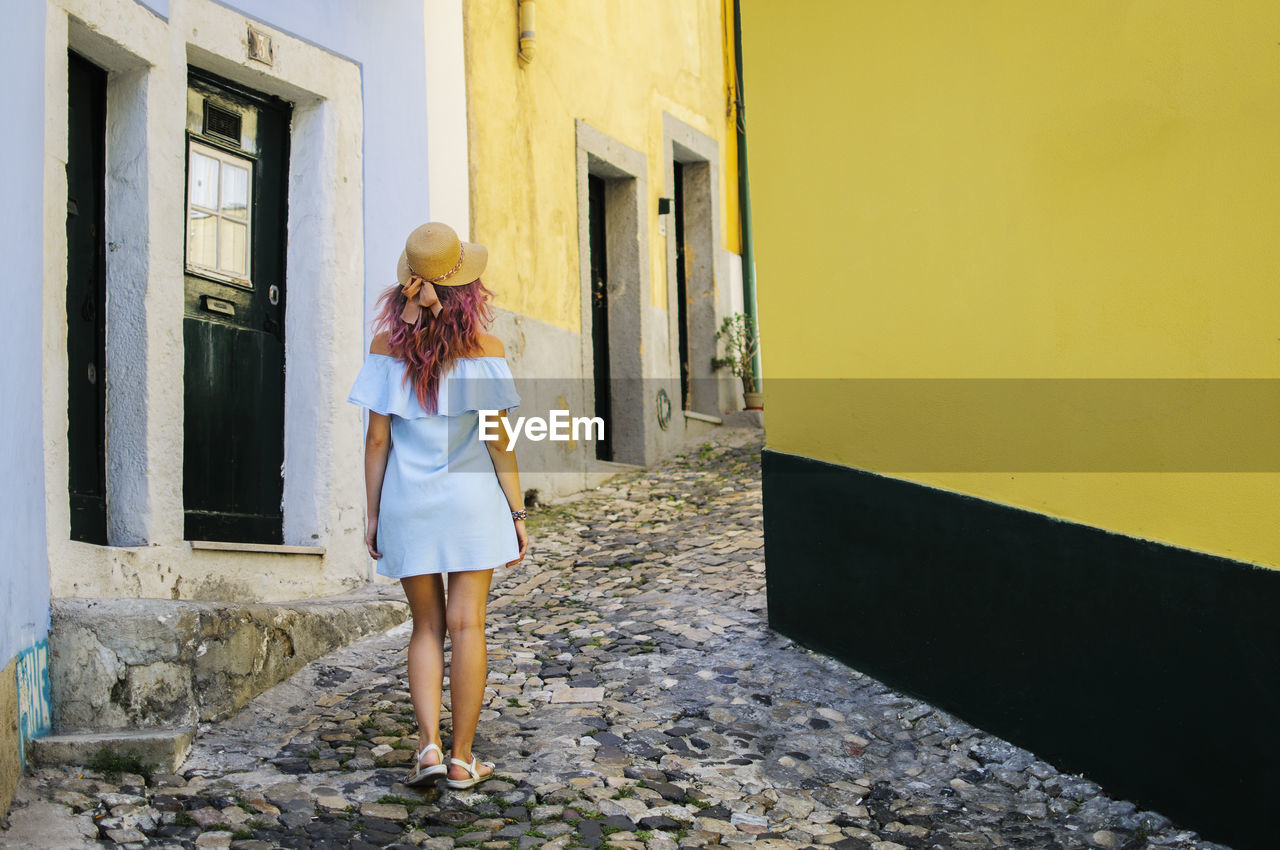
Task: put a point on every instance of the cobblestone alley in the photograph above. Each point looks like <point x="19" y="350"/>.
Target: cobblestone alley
<point x="637" y="700"/>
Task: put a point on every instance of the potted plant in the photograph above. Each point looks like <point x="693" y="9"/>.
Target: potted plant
<point x="738" y="333"/>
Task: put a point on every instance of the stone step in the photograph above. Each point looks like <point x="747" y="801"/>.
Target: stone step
<point x="160" y="750"/>
<point x="139" y="664"/>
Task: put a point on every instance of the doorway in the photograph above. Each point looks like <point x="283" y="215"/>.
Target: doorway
<point x="233" y="317"/>
<point x="614" y="284"/>
<point x="600" y="312"/>
<point x="692" y="252"/>
<point x="86" y="299"/>
<point x="682" y="287"/>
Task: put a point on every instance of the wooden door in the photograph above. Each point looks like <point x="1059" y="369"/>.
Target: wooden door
<point x="86" y="299"/>
<point x="233" y="319"/>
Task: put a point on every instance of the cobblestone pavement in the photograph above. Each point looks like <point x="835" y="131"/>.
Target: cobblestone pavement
<point x="637" y="700"/>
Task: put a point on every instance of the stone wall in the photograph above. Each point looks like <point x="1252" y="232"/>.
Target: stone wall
<point x="137" y="663"/>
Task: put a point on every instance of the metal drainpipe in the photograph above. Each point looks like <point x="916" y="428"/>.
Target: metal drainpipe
<point x="744" y="202"/>
<point x="528" y="38"/>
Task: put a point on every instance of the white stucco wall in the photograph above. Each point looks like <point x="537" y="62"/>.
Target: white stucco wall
<point x="147" y="56"/>
<point x="415" y="122"/>
<point x="359" y="181"/>
<point x="449" y="175"/>
<point x="24" y="572"/>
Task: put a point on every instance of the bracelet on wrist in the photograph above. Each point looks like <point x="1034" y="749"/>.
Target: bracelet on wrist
<point x="523" y="513"/>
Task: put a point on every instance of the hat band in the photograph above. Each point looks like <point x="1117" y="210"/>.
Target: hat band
<point x="461" y="253"/>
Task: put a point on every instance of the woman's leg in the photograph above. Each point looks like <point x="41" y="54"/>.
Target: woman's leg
<point x="426" y="656"/>
<point x="469" y="664"/>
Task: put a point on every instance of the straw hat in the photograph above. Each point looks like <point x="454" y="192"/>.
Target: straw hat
<point x="434" y="256"/>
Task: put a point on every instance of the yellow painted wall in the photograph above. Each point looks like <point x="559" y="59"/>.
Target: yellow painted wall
<point x="1002" y="189"/>
<point x="618" y="66"/>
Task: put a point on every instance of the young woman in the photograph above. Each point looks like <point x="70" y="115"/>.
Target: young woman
<point x="440" y="500"/>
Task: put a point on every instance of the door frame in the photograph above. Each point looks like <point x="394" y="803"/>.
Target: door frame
<point x="710" y="391"/>
<point x="632" y="424"/>
<point x="266" y="264"/>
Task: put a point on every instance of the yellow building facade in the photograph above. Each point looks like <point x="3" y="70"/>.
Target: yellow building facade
<point x="609" y="109"/>
<point x="1018" y="309"/>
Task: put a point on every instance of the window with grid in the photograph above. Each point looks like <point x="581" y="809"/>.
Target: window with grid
<point x="219" y="190"/>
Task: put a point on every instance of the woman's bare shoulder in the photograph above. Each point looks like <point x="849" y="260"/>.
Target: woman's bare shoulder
<point x="379" y="344"/>
<point x="491" y="346"/>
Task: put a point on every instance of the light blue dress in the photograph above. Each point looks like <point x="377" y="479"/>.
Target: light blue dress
<point x="442" y="509"/>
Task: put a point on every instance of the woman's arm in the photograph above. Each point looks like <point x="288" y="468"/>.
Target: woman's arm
<point x="504" y="463"/>
<point x="377" y="445"/>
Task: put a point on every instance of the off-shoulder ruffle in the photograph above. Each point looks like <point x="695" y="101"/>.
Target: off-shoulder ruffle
<point x="471" y="384"/>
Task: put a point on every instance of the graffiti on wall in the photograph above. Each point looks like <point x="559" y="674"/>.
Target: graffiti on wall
<point x="34" y="705"/>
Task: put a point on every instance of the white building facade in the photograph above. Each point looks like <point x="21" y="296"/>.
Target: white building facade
<point x="205" y="198"/>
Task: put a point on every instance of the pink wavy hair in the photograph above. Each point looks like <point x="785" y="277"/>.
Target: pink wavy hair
<point x="429" y="346"/>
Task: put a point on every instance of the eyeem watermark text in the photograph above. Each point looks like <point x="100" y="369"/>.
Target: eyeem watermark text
<point x="560" y="427"/>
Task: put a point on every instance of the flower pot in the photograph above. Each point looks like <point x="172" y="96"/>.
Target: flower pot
<point x="753" y="401"/>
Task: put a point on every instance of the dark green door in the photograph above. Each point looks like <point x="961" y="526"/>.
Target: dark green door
<point x="86" y="299"/>
<point x="233" y="321"/>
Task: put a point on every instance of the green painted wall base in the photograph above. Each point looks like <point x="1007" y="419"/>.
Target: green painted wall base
<point x="1151" y="669"/>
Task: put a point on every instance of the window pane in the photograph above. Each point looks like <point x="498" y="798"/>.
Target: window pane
<point x="202" y="239"/>
<point x="235" y="190"/>
<point x="233" y="248"/>
<point x="204" y="180"/>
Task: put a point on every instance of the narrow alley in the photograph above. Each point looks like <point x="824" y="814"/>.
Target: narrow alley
<point x="637" y="700"/>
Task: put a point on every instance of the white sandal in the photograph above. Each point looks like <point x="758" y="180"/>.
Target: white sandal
<point x="475" y="778"/>
<point x="428" y="772"/>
